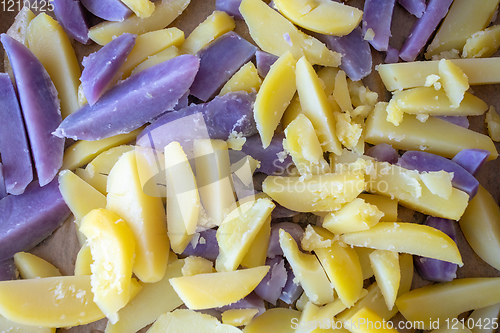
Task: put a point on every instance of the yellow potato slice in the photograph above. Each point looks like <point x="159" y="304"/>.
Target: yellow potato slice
<point x="275" y="34"/>
<point x="146" y="307"/>
<point x="455" y="82"/>
<point x="323" y="16"/>
<point x="165" y="13"/>
<point x="245" y="79"/>
<point x="50" y="44"/>
<point x="141" y="8"/>
<point x="409" y="238"/>
<point x="205" y="291"/>
<point x="385" y="265"/>
<point x="315" y="106"/>
<point x="183" y="200"/>
<point x="274" y="96"/>
<point x="480" y="225"/>
<point x="367" y="320"/>
<point x="356" y="215"/>
<point x="31" y="266"/>
<point x="434" y="136"/>
<point x="318" y="193"/>
<point x="82" y="152"/>
<point x="274" y="320"/>
<point x="61" y="301"/>
<point x="183" y="320"/>
<point x="215" y="25"/>
<point x="83" y="261"/>
<point x="167" y="54"/>
<point x="308" y="271"/>
<point x="238" y="317"/>
<point x="144" y="214"/>
<point x="112" y="246"/>
<point x="196" y="265"/>
<point x="257" y="252"/>
<point x="149" y="44"/>
<point x="444" y="301"/>
<point x="238" y="231"/>
<point x="482" y="44"/>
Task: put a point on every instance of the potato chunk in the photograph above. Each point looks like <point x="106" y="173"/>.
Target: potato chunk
<point x="385" y="265"/>
<point x="210" y="290"/>
<point x="323" y="16"/>
<point x="112" y="246"/>
<point x="30" y="266"/>
<point x="409" y="238"/>
<point x="144" y="214"/>
<point x="356" y="215"/>
<point x="183" y="320"/>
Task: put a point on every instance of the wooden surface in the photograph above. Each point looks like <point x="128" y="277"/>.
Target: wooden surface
<point x="61" y="248"/>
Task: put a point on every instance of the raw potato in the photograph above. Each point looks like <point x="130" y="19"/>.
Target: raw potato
<point x="50" y="44"/>
<point x="434" y="136"/>
<point x="315" y="106"/>
<point x="407" y="238"/>
<point x="61" y="301"/>
<point x="183" y="320"/>
<point x="31" y="266"/>
<point x="307" y="270"/>
<point x="183" y="200"/>
<point x="385" y="265"/>
<point x="238" y="230"/>
<point x="112" y="245"/>
<point x="274" y="96"/>
<point x="146" y="307"/>
<point x="165" y="13"/>
<point x="144" y="214"/>
<point x="449" y="299"/>
<point x="271" y="32"/>
<point x="205" y="291"/>
<point x="321" y="16"/>
<point x="480" y="225"/>
<point x="215" y="25"/>
<point x="318" y="193"/>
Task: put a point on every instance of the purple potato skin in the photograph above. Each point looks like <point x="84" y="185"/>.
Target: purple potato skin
<point x="14" y="146"/>
<point x="71" y="17"/>
<point x="264" y="62"/>
<point x="29" y="218"/>
<point x="40" y="108"/>
<point x="383" y="153"/>
<point x="3" y="190"/>
<point x="355" y="50"/>
<point x="422" y="161"/>
<point x="391" y="56"/>
<point x="471" y="159"/>
<point x="222" y="116"/>
<point x="219" y="60"/>
<point x="291" y="291"/>
<point x="269" y="289"/>
<point x="232" y="7"/>
<point x="102" y="68"/>
<point x="274" y="248"/>
<point x="7" y="270"/>
<point x="270" y="163"/>
<point x="422" y="29"/>
<point x="109" y="10"/>
<point x="252" y="301"/>
<point x="461" y="121"/>
<point x="433" y="269"/>
<point x="152" y="91"/>
<point x="206" y="247"/>
<point x="377" y="15"/>
<point x="414" y="7"/>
